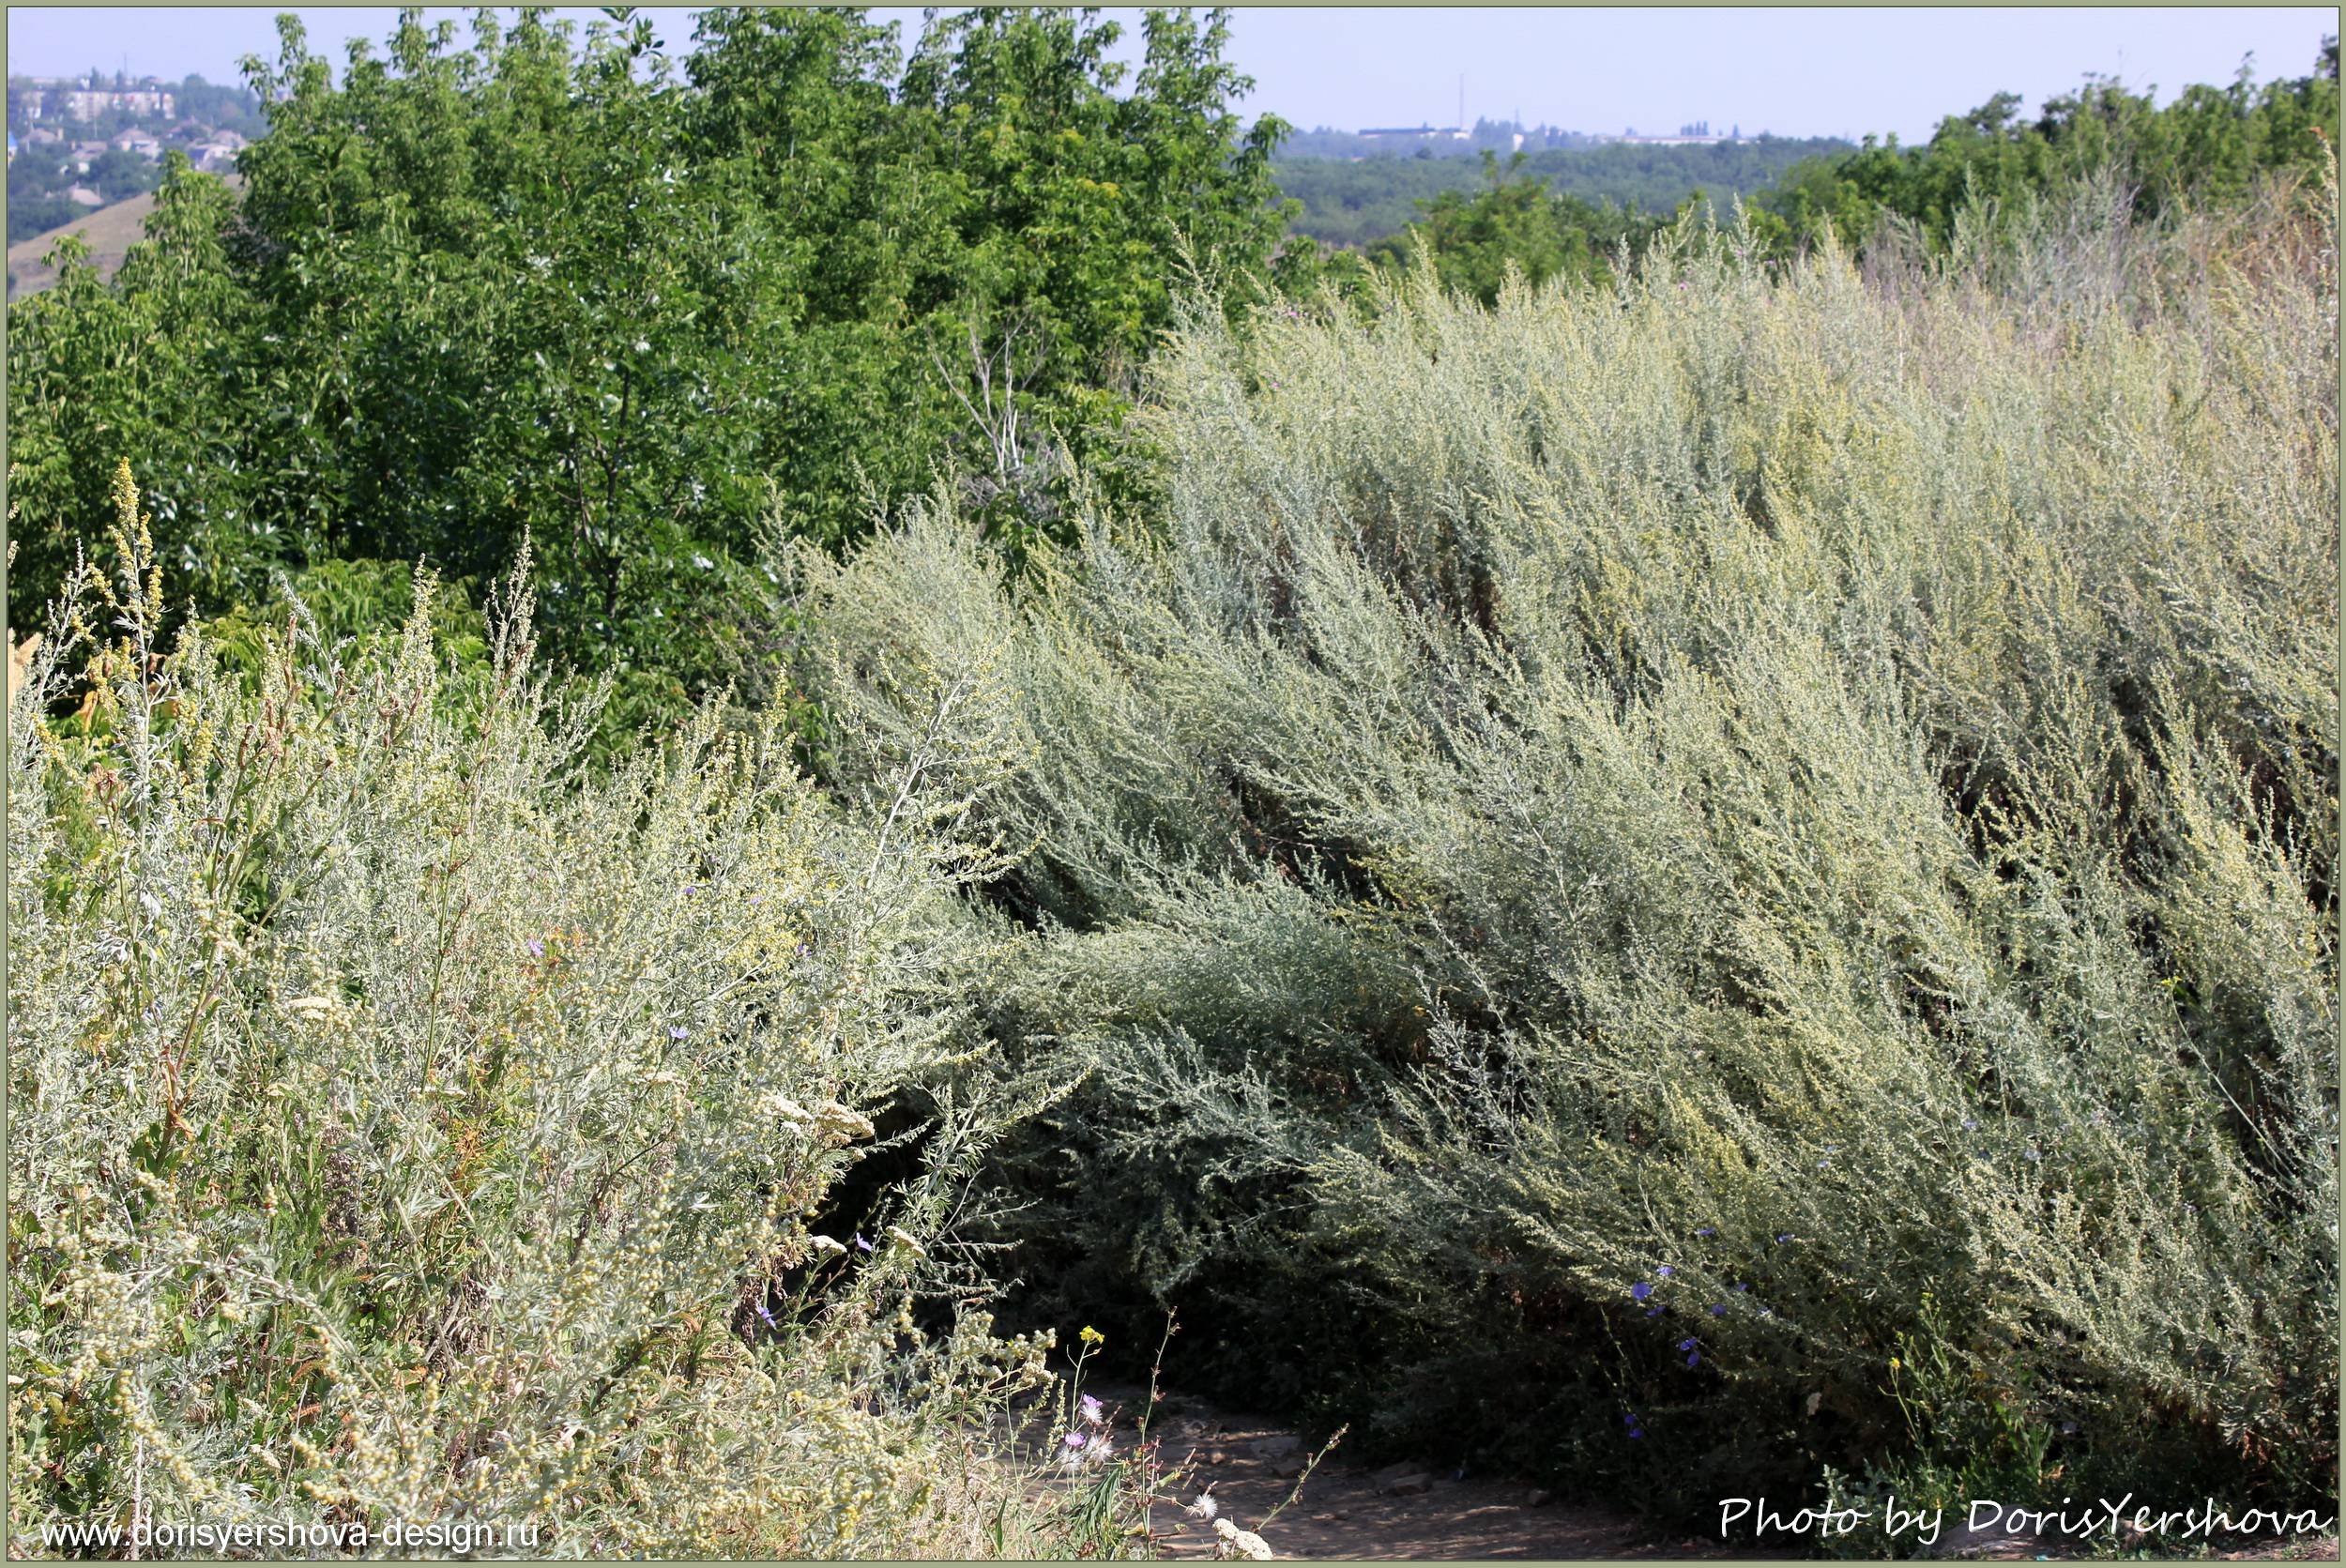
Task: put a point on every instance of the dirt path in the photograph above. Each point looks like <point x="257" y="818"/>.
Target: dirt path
<point x="1426" y="1513"/>
<point x="1250" y="1465"/>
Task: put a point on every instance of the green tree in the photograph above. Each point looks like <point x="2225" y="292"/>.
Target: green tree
<point x="154" y="365"/>
<point x="1517" y="222"/>
<point x="535" y="285"/>
<point x="2210" y="146"/>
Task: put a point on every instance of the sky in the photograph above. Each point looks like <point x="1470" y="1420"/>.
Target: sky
<point x="1796" y="73"/>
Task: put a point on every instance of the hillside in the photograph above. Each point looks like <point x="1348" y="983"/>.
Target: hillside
<point x="110" y="230"/>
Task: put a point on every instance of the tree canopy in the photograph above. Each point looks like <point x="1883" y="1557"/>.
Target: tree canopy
<point x="537" y="284"/>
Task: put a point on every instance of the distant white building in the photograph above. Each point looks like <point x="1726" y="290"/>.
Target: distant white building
<point x="1420" y="134"/>
<point x="140" y="142"/>
<point x="1676" y="141"/>
<point x="83" y="99"/>
<point x="82" y="195"/>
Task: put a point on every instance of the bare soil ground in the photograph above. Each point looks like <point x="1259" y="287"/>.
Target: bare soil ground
<point x="1428" y="1513"/>
<point x="1347" y="1511"/>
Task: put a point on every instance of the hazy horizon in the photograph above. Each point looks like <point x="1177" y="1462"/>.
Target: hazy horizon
<point x="1795" y="73"/>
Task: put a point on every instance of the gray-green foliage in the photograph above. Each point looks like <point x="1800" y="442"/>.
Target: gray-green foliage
<point x="1822" y="781"/>
<point x="410" y="1125"/>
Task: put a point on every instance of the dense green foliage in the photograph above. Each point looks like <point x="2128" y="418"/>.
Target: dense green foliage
<point x="518" y="289"/>
<point x="2208" y="147"/>
<point x="1354" y="202"/>
<point x="41" y="176"/>
<point x="1626" y="867"/>
<point x="1516" y="225"/>
<point x="35" y="215"/>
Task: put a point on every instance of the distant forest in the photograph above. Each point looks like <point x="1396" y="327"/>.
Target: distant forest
<point x="1354" y="204"/>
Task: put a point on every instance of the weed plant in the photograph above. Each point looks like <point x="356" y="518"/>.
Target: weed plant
<point x="411" y="1125"/>
<point x="1628" y="869"/>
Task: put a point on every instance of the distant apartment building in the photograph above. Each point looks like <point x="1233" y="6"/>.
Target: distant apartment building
<point x="90" y="99"/>
<point x="140" y="142"/>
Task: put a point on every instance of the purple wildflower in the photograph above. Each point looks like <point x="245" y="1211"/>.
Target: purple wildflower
<point x="767" y="1313"/>
<point x="1718" y="1309"/>
<point x="677" y="1031"/>
<point x="1094" y="1410"/>
<point x="1706" y="1230"/>
<point x="1074" y="1439"/>
<point x="1663" y="1271"/>
<point x="1639" y="1291"/>
<point x="690" y="890"/>
<point x="1686" y="1343"/>
<point x="1786" y="1237"/>
<point x="1694" y="1359"/>
<point x="537" y="949"/>
<point x="862" y="1244"/>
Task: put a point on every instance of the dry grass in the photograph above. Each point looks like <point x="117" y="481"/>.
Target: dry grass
<point x="111" y="232"/>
